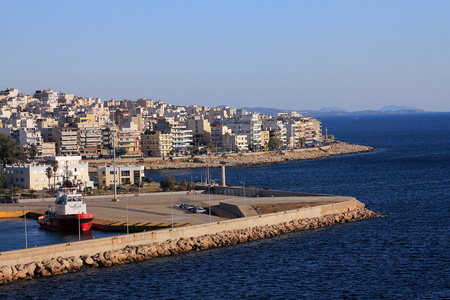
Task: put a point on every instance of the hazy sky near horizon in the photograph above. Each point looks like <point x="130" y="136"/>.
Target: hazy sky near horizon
<point x="283" y="54"/>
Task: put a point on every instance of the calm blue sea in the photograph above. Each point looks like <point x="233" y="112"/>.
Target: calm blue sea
<point x="403" y="255"/>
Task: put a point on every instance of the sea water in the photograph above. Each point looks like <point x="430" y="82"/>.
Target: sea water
<point x="402" y="255"/>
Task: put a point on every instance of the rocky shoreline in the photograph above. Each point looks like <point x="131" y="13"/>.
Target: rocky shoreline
<point x="130" y="254"/>
<point x="241" y="159"/>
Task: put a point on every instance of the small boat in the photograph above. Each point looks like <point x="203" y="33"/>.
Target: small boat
<point x="70" y="212"/>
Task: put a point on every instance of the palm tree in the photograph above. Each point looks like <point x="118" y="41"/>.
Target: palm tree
<point x="49" y="173"/>
<point x="55" y="169"/>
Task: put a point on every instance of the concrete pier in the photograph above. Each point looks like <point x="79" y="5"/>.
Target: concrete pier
<point x="320" y="210"/>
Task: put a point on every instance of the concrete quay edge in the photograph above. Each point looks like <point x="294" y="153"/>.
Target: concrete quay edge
<point x="91" y="247"/>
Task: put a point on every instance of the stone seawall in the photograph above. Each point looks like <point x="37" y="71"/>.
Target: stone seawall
<point x="56" y="262"/>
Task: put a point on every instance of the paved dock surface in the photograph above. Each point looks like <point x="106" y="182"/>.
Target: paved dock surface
<point x="156" y="209"/>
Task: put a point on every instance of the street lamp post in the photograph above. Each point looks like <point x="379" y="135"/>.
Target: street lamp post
<point x="209" y="202"/>
<point x="126" y="208"/>
<point x="114" y="155"/>
<point x="243" y="191"/>
<point x="171" y="205"/>
<point x="25" y="221"/>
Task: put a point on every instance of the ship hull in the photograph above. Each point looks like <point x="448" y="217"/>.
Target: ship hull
<point x="67" y="222"/>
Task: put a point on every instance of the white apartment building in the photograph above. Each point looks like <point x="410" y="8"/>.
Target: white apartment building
<point x="30" y="136"/>
<point x="33" y="176"/>
<point x="248" y="125"/>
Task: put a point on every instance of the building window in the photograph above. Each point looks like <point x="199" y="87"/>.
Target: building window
<point x="125" y="173"/>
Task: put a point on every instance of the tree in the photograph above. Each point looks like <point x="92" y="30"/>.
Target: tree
<point x="32" y="152"/>
<point x="2" y="178"/>
<point x="10" y="151"/>
<point x="121" y="151"/>
<point x="168" y="184"/>
<point x="274" y="143"/>
<point x="55" y="169"/>
<point x="49" y="173"/>
<point x="211" y="147"/>
<point x="302" y="142"/>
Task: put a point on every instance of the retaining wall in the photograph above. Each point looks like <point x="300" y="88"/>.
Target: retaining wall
<point x="91" y="247"/>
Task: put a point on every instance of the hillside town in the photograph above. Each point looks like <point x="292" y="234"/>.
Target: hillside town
<point x="56" y="126"/>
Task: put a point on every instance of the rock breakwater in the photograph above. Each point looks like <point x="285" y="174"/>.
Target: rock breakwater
<point x="129" y="254"/>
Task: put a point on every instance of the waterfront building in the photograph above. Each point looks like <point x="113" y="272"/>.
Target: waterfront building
<point x="201" y="130"/>
<point x="124" y="175"/>
<point x="248" y="125"/>
<point x="220" y="137"/>
<point x="130" y="141"/>
<point x="265" y="137"/>
<point x="156" y="144"/>
<point x="295" y="132"/>
<point x="238" y="142"/>
<point x="33" y="176"/>
<point x="313" y="130"/>
<point x="276" y="129"/>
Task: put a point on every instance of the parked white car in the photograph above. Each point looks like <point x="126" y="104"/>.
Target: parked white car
<point x="199" y="210"/>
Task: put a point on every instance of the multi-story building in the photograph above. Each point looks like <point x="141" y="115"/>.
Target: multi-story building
<point x="27" y="176"/>
<point x="182" y="138"/>
<point x="238" y="142"/>
<point x="201" y="130"/>
<point x="130" y="142"/>
<point x="265" y="138"/>
<point x="66" y="140"/>
<point x="109" y="137"/>
<point x="29" y="137"/>
<point x="248" y="125"/>
<point x="220" y="137"/>
<point x="295" y="132"/>
<point x="45" y="126"/>
<point x="276" y="129"/>
<point x="48" y="149"/>
<point x="89" y="137"/>
<point x="124" y="175"/>
<point x="156" y="144"/>
<point x="73" y="167"/>
<point x="313" y="130"/>
<point x="34" y="176"/>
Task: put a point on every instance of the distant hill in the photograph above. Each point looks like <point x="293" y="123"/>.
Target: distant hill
<point x="396" y="108"/>
<point x="335" y="111"/>
<point x="261" y="110"/>
<point x="332" y="109"/>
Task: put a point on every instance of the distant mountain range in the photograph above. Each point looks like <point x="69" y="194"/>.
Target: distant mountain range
<point x="330" y="111"/>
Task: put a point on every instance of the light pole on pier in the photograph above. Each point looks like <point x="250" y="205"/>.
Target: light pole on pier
<point x="25" y="222"/>
<point x="243" y="191"/>
<point x="126" y="208"/>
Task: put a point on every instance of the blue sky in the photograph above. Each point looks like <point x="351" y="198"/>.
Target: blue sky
<point x="283" y="54"/>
